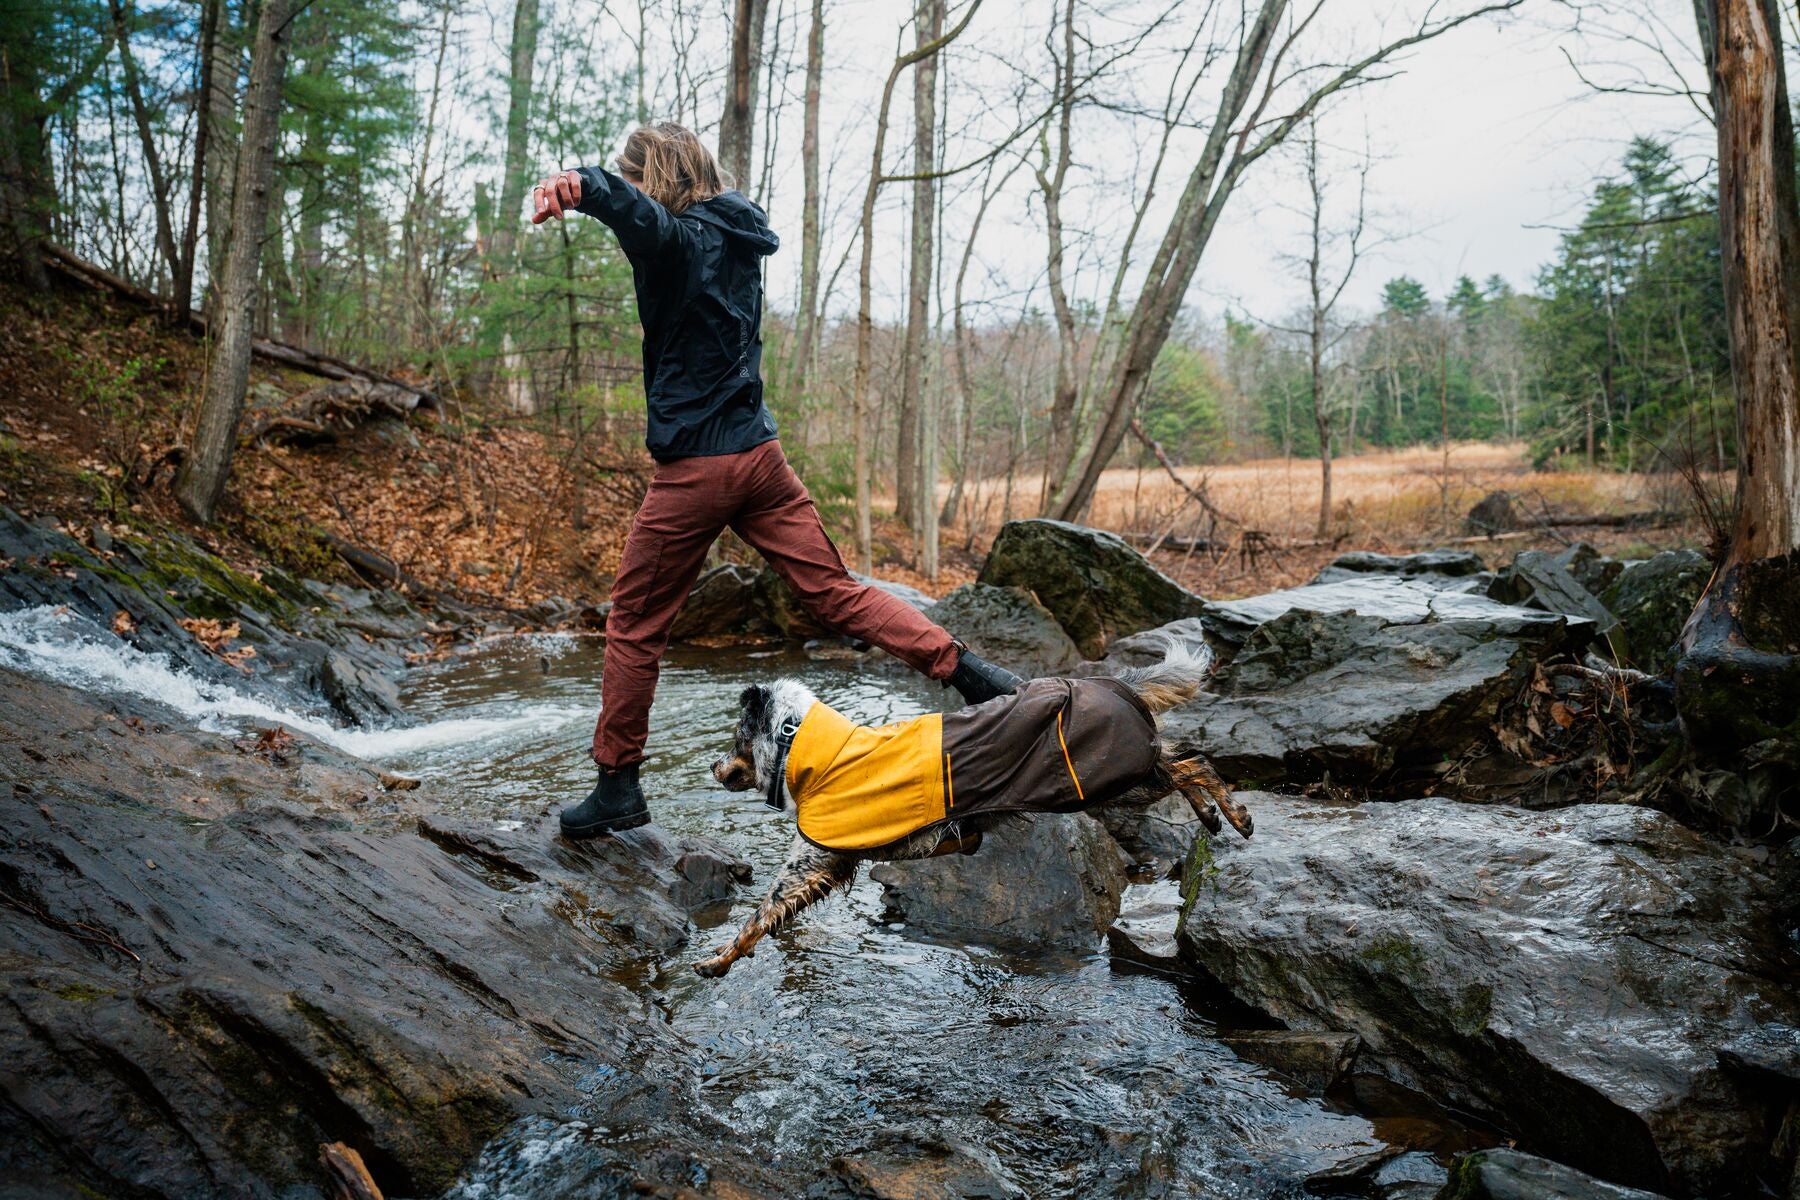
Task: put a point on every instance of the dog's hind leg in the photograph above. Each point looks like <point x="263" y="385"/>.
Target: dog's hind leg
<point x="808" y="876"/>
<point x="1196" y="779"/>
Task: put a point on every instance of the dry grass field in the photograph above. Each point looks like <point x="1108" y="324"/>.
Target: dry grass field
<point x="1391" y="501"/>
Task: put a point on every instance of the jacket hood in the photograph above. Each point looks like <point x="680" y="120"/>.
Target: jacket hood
<point x="739" y="218"/>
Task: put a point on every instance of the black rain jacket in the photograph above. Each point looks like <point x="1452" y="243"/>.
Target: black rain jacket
<point x="699" y="294"/>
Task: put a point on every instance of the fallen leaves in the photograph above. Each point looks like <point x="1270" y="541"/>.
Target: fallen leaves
<point x="123" y="623"/>
<point x="274" y="743"/>
<point x="215" y="635"/>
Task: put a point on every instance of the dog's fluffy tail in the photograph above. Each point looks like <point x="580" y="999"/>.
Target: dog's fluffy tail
<point x="1185" y="666"/>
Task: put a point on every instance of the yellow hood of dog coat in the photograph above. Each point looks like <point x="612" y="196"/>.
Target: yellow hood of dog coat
<point x="1057" y="745"/>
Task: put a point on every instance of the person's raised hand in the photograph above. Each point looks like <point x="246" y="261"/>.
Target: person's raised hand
<point x="556" y="193"/>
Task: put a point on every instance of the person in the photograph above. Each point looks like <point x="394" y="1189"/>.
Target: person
<point x="696" y="250"/>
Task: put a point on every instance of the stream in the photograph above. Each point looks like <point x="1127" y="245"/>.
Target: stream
<point x="1055" y="1073"/>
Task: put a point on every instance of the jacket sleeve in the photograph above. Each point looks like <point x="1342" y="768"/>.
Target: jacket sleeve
<point x="643" y="226"/>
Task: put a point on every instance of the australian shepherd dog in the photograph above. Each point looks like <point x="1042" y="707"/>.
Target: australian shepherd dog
<point x="932" y="785"/>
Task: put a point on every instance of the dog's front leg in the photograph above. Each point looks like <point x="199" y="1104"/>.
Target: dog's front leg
<point x="808" y="876"/>
<point x="1197" y="780"/>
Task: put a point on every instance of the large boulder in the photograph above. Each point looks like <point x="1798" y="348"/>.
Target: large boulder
<point x="1570" y="975"/>
<point x="1098" y="587"/>
<point x="1047" y="877"/>
<point x="207" y="970"/>
<point x="1652" y="600"/>
<point x="1566" y="581"/>
<point x="1361" y="680"/>
<point x="1005" y="625"/>
<point x="723" y="603"/>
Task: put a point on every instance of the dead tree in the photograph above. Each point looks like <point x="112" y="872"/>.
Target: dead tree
<point x="806" y="333"/>
<point x="1247" y="125"/>
<point x="201" y="481"/>
<point x="1738" y="680"/>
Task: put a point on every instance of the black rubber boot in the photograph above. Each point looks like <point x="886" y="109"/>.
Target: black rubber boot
<point x="615" y="804"/>
<point x="980" y="680"/>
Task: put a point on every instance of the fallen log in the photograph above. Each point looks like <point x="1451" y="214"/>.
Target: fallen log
<point x="325" y="366"/>
<point x="343" y="403"/>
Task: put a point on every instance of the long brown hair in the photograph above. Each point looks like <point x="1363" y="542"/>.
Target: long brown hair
<point x="676" y="169"/>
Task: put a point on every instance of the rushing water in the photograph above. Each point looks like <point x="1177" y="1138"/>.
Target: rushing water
<point x="1056" y="1072"/>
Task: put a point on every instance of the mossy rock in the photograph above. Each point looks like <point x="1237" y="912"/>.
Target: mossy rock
<point x="1096" y="586"/>
<point x="1652" y="600"/>
<point x="1005" y="625"/>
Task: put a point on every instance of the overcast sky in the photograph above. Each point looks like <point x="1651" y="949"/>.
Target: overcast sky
<point x="1484" y="141"/>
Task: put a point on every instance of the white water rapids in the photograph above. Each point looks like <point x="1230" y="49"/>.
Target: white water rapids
<point x="56" y="644"/>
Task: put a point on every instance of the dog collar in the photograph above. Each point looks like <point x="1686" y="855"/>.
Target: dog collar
<point x="784" y="741"/>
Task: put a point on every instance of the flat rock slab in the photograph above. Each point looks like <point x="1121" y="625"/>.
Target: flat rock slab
<point x="1005" y="625"/>
<point x="1356" y="679"/>
<point x="1572" y="975"/>
<point x="197" y="988"/>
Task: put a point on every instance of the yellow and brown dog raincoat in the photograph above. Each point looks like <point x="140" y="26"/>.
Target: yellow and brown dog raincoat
<point x="1056" y="745"/>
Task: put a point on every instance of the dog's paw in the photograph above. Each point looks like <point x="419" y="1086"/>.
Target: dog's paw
<point x="712" y="968"/>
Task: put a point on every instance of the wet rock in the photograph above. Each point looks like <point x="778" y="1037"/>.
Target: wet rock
<point x="1151" y="646"/>
<point x="1155" y="837"/>
<point x="926" y="1172"/>
<point x="200" y="986"/>
<point x="1362" y="679"/>
<point x="1448" y="570"/>
<point x="1503" y="1174"/>
<point x="294" y="629"/>
<point x="1095" y="585"/>
<point x="1568" y="974"/>
<point x="1047" y="877"/>
<point x="723" y="602"/>
<point x="1005" y="625"/>
<point x="1144" y="932"/>
<point x="1771" y="1051"/>
<point x="360" y="694"/>
<point x="1315" y="1061"/>
<point x="1411" y="1176"/>
<point x="1568" y="581"/>
<point x="1652" y="600"/>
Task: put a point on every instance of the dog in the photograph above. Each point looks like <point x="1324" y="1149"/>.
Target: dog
<point x="931" y="786"/>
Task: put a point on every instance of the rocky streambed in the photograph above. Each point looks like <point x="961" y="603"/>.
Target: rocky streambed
<point x="224" y="947"/>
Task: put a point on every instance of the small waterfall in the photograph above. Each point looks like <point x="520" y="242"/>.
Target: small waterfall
<point x="56" y="644"/>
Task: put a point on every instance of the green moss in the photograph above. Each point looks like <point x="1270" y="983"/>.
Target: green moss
<point x="1469" y="1015"/>
<point x="206" y="585"/>
<point x="1391" y="952"/>
<point x="1198" y="870"/>
<point x="1464" y="1183"/>
<point x="81" y="993"/>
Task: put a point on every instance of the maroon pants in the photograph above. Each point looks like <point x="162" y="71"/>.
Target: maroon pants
<point x="756" y="494"/>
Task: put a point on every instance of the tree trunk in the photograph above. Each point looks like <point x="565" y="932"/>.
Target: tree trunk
<point x="738" y="125"/>
<point x="908" y="487"/>
<point x="502" y="258"/>
<point x="1060" y="447"/>
<point x="140" y="115"/>
<point x="806" y="335"/>
<point x="190" y="235"/>
<point x="222" y="150"/>
<point x="201" y="481"/>
<point x="1738" y="680"/>
<point x="865" y="320"/>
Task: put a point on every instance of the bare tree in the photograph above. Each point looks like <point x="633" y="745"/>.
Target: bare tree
<point x="1323" y="296"/>
<point x="1738" y="681"/>
<point x="1052" y="172"/>
<point x="909" y="488"/>
<point x="865" y="321"/>
<point x="1241" y="132"/>
<point x="201" y="480"/>
<point x="183" y="288"/>
<point x="140" y="114"/>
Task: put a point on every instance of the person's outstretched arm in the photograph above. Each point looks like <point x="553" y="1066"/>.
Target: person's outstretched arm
<point x="643" y="226"/>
